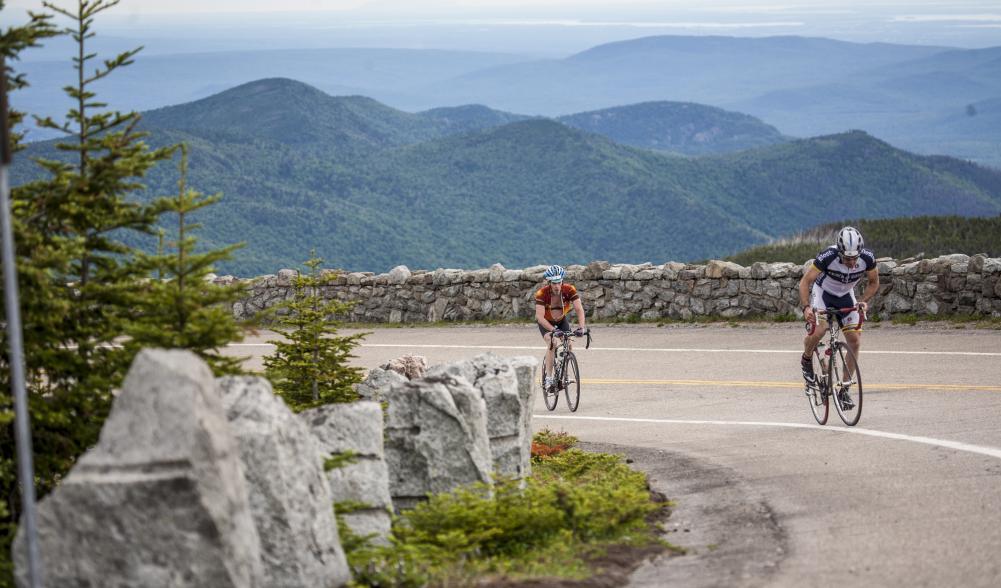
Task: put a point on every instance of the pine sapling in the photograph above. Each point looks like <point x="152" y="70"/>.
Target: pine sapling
<point x="310" y="365"/>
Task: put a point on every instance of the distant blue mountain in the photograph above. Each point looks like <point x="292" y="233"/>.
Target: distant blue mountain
<point x="711" y="70"/>
<point x="163" y="80"/>
<point x="801" y="86"/>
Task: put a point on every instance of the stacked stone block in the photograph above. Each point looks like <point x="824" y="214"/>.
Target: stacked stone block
<point x="506" y="386"/>
<point x="948" y="284"/>
<point x="436" y="437"/>
<point x="290" y="499"/>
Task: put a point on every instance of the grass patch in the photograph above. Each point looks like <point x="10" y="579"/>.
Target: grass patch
<point x="702" y="320"/>
<point x="958" y="320"/>
<point x="339" y="460"/>
<point x="572" y="510"/>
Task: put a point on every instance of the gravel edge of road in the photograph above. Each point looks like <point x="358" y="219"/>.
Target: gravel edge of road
<point x="730" y="532"/>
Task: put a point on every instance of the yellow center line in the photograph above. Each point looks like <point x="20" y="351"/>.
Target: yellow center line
<point x="773" y="384"/>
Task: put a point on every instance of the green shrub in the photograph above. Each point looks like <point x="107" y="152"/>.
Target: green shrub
<point x="574" y="504"/>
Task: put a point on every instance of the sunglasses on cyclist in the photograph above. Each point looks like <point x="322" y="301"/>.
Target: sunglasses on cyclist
<point x="847" y="258"/>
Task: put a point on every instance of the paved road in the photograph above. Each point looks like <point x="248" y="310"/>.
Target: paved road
<point x="911" y="496"/>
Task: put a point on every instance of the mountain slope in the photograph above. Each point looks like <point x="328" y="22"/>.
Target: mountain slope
<point x="898" y="238"/>
<point x="159" y="80"/>
<point x="680" y="127"/>
<point x="469" y="117"/>
<point x="294" y="113"/>
<point x="802" y="86"/>
<point x="532" y="191"/>
<point x="291" y="112"/>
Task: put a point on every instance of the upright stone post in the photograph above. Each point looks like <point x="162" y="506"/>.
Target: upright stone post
<point x="436" y="438"/>
<point x="506" y="386"/>
<point x="161" y="500"/>
<point x="361" y="485"/>
<point x="290" y="500"/>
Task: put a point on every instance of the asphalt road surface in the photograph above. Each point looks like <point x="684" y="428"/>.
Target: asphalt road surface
<point x="911" y="496"/>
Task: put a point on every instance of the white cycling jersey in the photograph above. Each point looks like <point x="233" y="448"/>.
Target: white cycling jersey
<point x="837" y="278"/>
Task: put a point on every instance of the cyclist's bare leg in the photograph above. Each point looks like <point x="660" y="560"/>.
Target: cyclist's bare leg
<point x="810" y="341"/>
<point x="548" y="366"/>
<point x="854" y="340"/>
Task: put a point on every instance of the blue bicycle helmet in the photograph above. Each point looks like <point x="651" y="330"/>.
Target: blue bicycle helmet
<point x="555" y="273"/>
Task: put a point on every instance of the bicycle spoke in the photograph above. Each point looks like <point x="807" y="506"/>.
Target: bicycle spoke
<point x="817" y="393"/>
<point x="846" y="385"/>
<point x="550" y="394"/>
<point x="571" y="381"/>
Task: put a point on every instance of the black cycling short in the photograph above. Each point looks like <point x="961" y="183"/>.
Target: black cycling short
<point x="563" y="325"/>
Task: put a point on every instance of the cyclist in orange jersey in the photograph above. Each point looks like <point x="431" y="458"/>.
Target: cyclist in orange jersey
<point x="552" y="304"/>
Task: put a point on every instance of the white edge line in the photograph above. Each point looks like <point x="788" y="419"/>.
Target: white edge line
<point x="655" y="349"/>
<point x="956" y="445"/>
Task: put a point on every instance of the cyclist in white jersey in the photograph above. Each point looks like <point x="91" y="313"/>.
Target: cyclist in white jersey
<point x="830" y="283"/>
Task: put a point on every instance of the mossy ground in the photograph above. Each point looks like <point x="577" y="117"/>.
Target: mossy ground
<point x="583" y="518"/>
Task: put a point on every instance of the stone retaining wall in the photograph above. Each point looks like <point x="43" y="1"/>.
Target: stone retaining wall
<point x="949" y="284"/>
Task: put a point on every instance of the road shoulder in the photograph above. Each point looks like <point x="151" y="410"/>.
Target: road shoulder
<point x="729" y="532"/>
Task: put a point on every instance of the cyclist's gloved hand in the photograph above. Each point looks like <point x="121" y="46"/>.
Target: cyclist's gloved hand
<point x="557" y="332"/>
<point x="579" y="332"/>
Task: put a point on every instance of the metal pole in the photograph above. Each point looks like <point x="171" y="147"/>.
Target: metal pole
<point x="16" y="359"/>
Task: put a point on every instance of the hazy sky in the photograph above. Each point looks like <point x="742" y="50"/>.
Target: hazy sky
<point x="526" y="7"/>
<point x="530" y="26"/>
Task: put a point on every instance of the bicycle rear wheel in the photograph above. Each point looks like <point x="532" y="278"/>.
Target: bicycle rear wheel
<point x="817" y="394"/>
<point x="571" y="381"/>
<point x="846" y="386"/>
<point x="549" y="395"/>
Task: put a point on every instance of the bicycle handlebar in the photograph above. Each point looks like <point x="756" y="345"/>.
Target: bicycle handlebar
<point x="565" y="334"/>
<point x="810" y="326"/>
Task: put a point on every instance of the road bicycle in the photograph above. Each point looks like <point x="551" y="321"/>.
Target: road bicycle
<point x="566" y="372"/>
<point x="832" y="378"/>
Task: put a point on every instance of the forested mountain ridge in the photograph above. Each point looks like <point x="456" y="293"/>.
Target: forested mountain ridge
<point x="372" y="195"/>
<point x="679" y="127"/>
<point x="899" y="238"/>
<point x="294" y="113"/>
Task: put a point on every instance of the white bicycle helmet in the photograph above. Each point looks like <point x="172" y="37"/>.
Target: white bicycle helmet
<point x="555" y="273"/>
<point x="850" y="242"/>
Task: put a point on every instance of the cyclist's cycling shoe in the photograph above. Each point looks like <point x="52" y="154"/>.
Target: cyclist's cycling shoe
<point x="808" y="375"/>
<point x="844" y="399"/>
<point x="548" y="383"/>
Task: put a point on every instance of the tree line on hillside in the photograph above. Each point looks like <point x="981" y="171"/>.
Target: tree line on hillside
<point x="899" y="238"/>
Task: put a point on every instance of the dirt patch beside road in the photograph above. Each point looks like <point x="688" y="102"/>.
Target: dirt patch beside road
<point x="730" y="534"/>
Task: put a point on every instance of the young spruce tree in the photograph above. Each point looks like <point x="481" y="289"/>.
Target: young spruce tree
<point x="76" y="275"/>
<point x="310" y="365"/>
<point x="179" y="307"/>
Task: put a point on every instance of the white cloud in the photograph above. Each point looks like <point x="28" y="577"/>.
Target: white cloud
<point x="946" y="17"/>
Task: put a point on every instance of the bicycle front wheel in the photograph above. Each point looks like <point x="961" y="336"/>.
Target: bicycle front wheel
<point x="571" y="381"/>
<point x="816" y="393"/>
<point x="846" y="385"/>
<point x="549" y="395"/>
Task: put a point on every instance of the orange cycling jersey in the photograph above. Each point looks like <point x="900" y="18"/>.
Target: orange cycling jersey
<point x="544" y="296"/>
